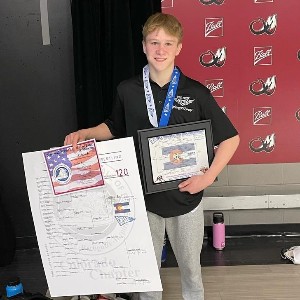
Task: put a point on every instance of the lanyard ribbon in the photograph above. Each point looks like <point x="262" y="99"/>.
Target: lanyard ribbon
<point x="168" y="104"/>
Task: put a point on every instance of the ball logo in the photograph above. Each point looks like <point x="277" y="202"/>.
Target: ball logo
<point x="260" y="26"/>
<point x="167" y="3"/>
<point x="260" y="87"/>
<point x="209" y="59"/>
<point x="297" y="114"/>
<point x="209" y="2"/>
<point x="262" y="115"/>
<point x="263" y="56"/>
<point x="263" y="145"/>
<point x="213" y="27"/>
<point x="216" y="87"/>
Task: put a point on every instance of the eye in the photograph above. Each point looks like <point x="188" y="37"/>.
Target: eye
<point x="169" y="44"/>
<point x="154" y="43"/>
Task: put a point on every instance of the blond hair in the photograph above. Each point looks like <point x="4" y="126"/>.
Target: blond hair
<point x="163" y="21"/>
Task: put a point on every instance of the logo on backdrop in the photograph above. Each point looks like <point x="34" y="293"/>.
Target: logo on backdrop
<point x="262" y="115"/>
<point x="262" y="1"/>
<point x="260" y="87"/>
<point x="263" y="145"/>
<point x="216" y="87"/>
<point x="213" y="27"/>
<point x="209" y="2"/>
<point x="167" y="3"/>
<point x="298" y="54"/>
<point x="263" y="56"/>
<point x="209" y="59"/>
<point x="261" y="26"/>
<point x="297" y="114"/>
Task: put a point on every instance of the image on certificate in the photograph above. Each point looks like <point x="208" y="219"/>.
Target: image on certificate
<point x="71" y="171"/>
<point x="178" y="156"/>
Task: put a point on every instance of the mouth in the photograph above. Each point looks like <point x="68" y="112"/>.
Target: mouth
<point x="159" y="59"/>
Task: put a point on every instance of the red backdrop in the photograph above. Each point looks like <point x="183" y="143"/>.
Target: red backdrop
<point x="247" y="52"/>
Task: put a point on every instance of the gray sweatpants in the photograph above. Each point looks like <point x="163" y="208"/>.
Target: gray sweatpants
<point x="185" y="234"/>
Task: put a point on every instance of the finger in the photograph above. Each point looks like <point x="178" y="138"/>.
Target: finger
<point x="71" y="139"/>
<point x="185" y="189"/>
<point x="184" y="183"/>
<point x="74" y="144"/>
<point x="67" y="140"/>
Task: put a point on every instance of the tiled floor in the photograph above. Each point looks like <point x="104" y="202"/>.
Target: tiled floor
<point x="238" y="251"/>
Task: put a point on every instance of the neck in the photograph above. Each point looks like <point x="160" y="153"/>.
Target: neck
<point x="161" y="78"/>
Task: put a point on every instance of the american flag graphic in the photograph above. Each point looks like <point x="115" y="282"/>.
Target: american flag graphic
<point x="71" y="171"/>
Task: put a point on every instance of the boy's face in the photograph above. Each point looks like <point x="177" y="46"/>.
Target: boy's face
<point x="161" y="49"/>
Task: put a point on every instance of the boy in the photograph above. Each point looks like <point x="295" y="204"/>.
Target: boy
<point x="179" y="211"/>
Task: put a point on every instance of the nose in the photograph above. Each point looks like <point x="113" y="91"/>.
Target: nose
<point x="160" y="49"/>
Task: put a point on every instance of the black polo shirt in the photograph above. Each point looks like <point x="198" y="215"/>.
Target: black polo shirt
<point x="193" y="102"/>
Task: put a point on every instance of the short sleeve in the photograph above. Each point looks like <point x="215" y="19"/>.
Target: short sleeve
<point x="222" y="127"/>
<point x="116" y="121"/>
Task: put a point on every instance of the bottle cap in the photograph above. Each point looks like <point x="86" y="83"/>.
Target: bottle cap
<point x="14" y="281"/>
<point x="14" y="287"/>
<point x="218" y="217"/>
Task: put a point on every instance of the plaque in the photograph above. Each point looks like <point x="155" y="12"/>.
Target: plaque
<point x="171" y="154"/>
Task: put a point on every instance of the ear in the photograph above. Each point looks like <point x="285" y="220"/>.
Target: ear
<point x="144" y="46"/>
<point x="179" y="47"/>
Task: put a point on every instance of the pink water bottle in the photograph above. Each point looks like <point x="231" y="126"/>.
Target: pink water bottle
<point x="218" y="231"/>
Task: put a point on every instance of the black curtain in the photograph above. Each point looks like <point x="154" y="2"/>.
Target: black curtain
<point x="7" y="238"/>
<point x="107" y="38"/>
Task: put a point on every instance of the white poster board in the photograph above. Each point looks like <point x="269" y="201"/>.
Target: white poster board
<point x="94" y="241"/>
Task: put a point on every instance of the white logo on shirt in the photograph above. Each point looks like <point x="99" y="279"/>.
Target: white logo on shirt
<point x="183" y="101"/>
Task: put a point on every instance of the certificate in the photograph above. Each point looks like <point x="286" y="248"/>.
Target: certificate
<point x="174" y="153"/>
<point x="94" y="241"/>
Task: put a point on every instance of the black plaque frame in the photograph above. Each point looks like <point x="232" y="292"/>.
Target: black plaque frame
<point x="143" y="137"/>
